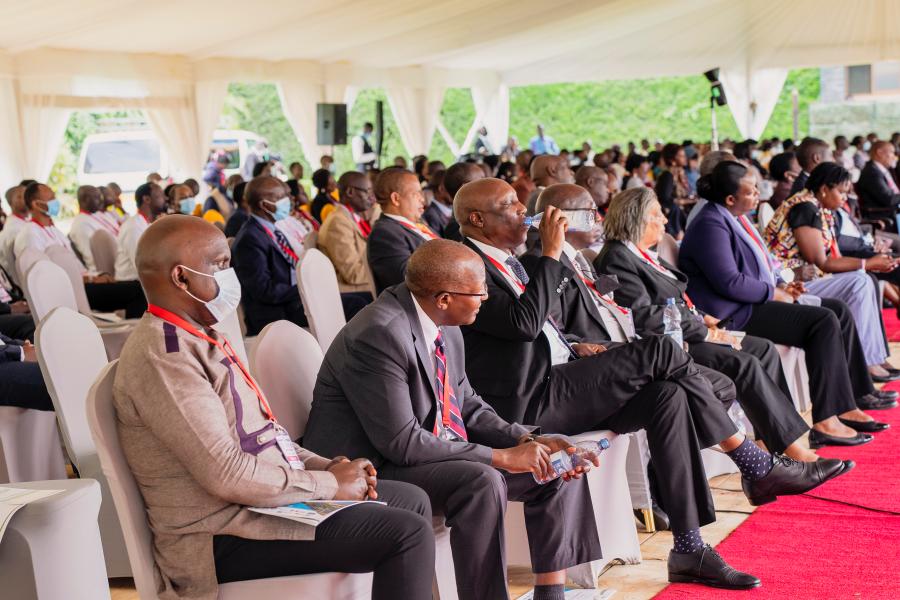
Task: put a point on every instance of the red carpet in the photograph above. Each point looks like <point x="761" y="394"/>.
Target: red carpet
<point x="891" y="324"/>
<point x="806" y="547"/>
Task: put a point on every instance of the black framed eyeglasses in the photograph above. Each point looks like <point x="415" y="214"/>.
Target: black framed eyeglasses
<point x="483" y="295"/>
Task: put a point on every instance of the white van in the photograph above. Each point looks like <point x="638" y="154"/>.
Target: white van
<point x="127" y="157"/>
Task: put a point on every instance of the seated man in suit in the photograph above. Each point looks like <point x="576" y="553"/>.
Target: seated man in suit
<point x="457" y="176"/>
<point x="14" y="223"/>
<point x="87" y="222"/>
<point x="393" y="388"/>
<point x="40" y="233"/>
<point x="548" y="169"/>
<point x="879" y="195"/>
<point x="344" y="235"/>
<point x="520" y="361"/>
<point x="203" y="444"/>
<point x="151" y="203"/>
<point x="440" y="211"/>
<point x="399" y="230"/>
<point x="21" y="381"/>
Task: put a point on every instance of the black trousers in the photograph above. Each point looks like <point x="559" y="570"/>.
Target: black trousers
<point x="396" y="542"/>
<point x="762" y="388"/>
<point x="834" y="356"/>
<point x="559" y="520"/>
<point x="118" y="295"/>
<point x="22" y="385"/>
<point x="649" y="384"/>
<point x="18" y="327"/>
<point x="353" y="302"/>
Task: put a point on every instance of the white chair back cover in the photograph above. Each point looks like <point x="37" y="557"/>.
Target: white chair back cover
<point x="668" y="249"/>
<point x="71" y="355"/>
<point x="588" y="254"/>
<point x="101" y="417"/>
<point x="230" y="327"/>
<point x="285" y="361"/>
<point x="103" y="249"/>
<point x="74" y="269"/>
<point x="764" y="215"/>
<point x="25" y="261"/>
<point x="48" y="287"/>
<point x="321" y="297"/>
<point x="311" y="240"/>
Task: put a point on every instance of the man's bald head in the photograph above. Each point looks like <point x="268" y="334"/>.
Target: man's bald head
<point x="596" y="181"/>
<point x="391" y="180"/>
<point x="168" y="246"/>
<point x="447" y="279"/>
<point x="90" y="198"/>
<point x="547" y="169"/>
<point x="489" y="211"/>
<point x="355" y="191"/>
<point x="481" y="195"/>
<point x="884" y="153"/>
<point x="712" y="159"/>
<point x="264" y="187"/>
<point x="15" y="197"/>
<point x="565" y="196"/>
<point x="459" y="175"/>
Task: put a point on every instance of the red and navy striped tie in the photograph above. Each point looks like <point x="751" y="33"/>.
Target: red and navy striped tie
<point x="455" y="422"/>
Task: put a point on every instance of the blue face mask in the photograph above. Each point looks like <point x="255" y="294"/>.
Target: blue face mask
<point x="53" y="207"/>
<point x="186" y="206"/>
<point x="282" y="209"/>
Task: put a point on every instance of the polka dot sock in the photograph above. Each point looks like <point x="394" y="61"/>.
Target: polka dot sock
<point x="753" y="462"/>
<point x="550" y="592"/>
<point x="687" y="542"/>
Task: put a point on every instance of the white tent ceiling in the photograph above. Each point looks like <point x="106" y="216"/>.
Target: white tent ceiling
<point x="71" y="54"/>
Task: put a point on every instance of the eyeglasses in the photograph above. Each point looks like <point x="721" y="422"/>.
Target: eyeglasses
<point x="360" y="189"/>
<point x="483" y="295"/>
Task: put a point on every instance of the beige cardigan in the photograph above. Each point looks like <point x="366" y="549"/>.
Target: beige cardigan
<point x="342" y="242"/>
<point x="201" y="449"/>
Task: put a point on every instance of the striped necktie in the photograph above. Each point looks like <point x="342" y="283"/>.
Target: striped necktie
<point x="447" y="418"/>
<point x="285" y="246"/>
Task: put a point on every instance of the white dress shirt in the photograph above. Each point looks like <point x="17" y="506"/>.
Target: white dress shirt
<point x="358" y="149"/>
<point x="429" y="330"/>
<point x="655" y="264"/>
<point x="11" y="229"/>
<point x="559" y="351"/>
<point x="295" y="231"/>
<point x="126" y="247"/>
<point x="84" y="226"/>
<point x="40" y="238"/>
<point x="410" y="224"/>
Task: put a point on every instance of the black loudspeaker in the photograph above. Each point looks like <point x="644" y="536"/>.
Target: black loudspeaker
<point x="379" y="127"/>
<point x="331" y="124"/>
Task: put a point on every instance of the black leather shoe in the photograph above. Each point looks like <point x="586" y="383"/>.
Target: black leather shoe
<point x="707" y="567"/>
<point x="817" y="439"/>
<point x="886" y="378"/>
<point x="660" y="518"/>
<point x="886" y="394"/>
<point x="873" y="402"/>
<point x="848" y="466"/>
<point x="865" y="426"/>
<point x="789" y="477"/>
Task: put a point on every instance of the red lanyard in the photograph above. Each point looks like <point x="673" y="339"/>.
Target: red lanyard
<point x="364" y="228"/>
<point x="226" y="349"/>
<point x="509" y="275"/>
<point x="146" y="220"/>
<point x="594" y="289"/>
<point x="103" y="222"/>
<point x="756" y="240"/>
<point x="287" y="248"/>
<point x="419" y="229"/>
<point x="45" y="229"/>
<point x="662" y="269"/>
<point x="313" y="223"/>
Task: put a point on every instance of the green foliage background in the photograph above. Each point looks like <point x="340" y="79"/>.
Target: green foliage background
<point x="672" y="108"/>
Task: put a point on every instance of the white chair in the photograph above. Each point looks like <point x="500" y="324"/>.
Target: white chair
<point x="138" y="538"/>
<point x="318" y="285"/>
<point x="230" y="327"/>
<point x="48" y="287"/>
<point x="51" y="549"/>
<point x="612" y="514"/>
<point x="71" y="354"/>
<point x="103" y="249"/>
<point x="668" y="249"/>
<point x="793" y="361"/>
<point x="29" y="446"/>
<point x="285" y="362"/>
<point x="311" y="241"/>
<point x="589" y="254"/>
<point x="763" y="216"/>
<point x="73" y="270"/>
<point x="24" y="262"/>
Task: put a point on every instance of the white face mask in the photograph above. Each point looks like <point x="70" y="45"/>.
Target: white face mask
<point x="227" y="298"/>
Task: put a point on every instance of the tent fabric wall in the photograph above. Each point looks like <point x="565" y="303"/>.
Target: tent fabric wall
<point x="416" y="111"/>
<point x="752" y="97"/>
<point x="12" y="153"/>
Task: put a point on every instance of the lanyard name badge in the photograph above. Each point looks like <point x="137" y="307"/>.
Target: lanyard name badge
<point x="282" y="439"/>
<point x="662" y="269"/>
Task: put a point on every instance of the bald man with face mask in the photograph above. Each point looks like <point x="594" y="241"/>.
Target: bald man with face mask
<point x="201" y="439"/>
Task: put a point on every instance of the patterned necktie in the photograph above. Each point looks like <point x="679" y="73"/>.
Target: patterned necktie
<point x="513" y="263"/>
<point x="285" y="246"/>
<point x="454" y="422"/>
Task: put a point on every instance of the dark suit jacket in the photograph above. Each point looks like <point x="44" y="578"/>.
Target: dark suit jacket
<point x="236" y="221"/>
<point x="507" y="358"/>
<point x="389" y="247"/>
<point x="645" y="290"/>
<point x="265" y="276"/>
<point x="452" y="232"/>
<point x="375" y="393"/>
<point x="724" y="279"/>
<point x="11" y="351"/>
<point x="875" y="195"/>
<point x="436" y="219"/>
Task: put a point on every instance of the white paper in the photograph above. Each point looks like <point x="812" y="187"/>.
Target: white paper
<point x="12" y="499"/>
<point x="311" y="512"/>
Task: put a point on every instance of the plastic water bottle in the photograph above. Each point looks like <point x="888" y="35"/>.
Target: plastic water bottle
<point x="579" y="220"/>
<point x="672" y="322"/>
<point x="585" y="452"/>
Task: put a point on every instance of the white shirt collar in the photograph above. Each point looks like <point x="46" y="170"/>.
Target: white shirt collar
<point x="401" y="219"/>
<point x="496" y="253"/>
<point x="569" y="251"/>
<point x="445" y="210"/>
<point x="429" y="329"/>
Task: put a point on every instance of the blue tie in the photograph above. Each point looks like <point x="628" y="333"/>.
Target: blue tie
<point x="513" y="263"/>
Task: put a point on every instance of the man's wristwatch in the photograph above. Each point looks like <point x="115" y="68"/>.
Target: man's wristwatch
<point x="528" y="437"/>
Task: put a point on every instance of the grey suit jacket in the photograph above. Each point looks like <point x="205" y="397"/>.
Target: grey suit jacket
<point x="375" y="393"/>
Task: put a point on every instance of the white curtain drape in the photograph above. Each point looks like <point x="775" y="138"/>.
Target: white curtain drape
<point x="416" y="111"/>
<point x="43" y="127"/>
<point x="752" y="96"/>
<point x="175" y="125"/>
<point x="12" y="167"/>
<point x="492" y="110"/>
<point x="209" y="97"/>
<point x="298" y="101"/>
